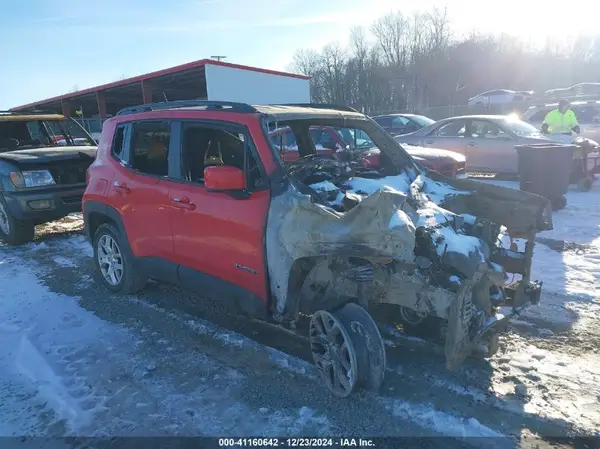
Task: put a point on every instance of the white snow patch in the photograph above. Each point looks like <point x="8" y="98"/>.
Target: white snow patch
<point x="398" y="184"/>
<point x="324" y="186"/>
<point x="64" y="262"/>
<point x="444" y="423"/>
<point x="401" y="220"/>
<point x="456" y="242"/>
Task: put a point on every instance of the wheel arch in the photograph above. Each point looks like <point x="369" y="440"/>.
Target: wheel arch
<point x="96" y="213"/>
<point x="300" y="270"/>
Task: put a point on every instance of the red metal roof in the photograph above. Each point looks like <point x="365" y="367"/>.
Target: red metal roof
<point x="148" y="76"/>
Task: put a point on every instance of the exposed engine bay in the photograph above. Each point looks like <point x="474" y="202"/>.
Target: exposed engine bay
<point x="458" y="250"/>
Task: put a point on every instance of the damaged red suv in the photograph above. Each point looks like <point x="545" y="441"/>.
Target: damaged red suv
<point x="195" y="193"/>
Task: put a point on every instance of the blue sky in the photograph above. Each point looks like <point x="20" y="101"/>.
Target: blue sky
<point x="49" y="46"/>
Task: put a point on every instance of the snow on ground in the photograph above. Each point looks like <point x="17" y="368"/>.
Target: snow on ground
<point x="77" y="360"/>
<point x="91" y="364"/>
<point x="64" y="370"/>
<point x="567" y="320"/>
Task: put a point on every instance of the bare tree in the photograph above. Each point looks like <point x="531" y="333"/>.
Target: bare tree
<point x="415" y="62"/>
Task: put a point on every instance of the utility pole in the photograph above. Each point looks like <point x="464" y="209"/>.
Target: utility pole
<point x="218" y="58"/>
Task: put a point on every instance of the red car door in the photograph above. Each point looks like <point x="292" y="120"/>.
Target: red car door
<point x="142" y="197"/>
<point x="214" y="233"/>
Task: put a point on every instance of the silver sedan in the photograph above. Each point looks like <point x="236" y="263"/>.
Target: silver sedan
<point x="487" y="141"/>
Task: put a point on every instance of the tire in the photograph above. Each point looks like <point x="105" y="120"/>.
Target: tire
<point x="127" y="280"/>
<point x="13" y="231"/>
<point x="347" y="349"/>
<point x="368" y="343"/>
<point x="559" y="203"/>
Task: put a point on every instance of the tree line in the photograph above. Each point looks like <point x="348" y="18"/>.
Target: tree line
<point x="414" y="62"/>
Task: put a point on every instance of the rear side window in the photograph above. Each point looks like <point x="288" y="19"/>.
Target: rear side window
<point x="118" y="143"/>
<point x="150" y="147"/>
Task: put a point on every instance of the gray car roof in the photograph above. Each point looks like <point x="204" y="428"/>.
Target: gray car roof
<point x="478" y="116"/>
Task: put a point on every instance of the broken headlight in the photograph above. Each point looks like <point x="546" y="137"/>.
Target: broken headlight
<point x="32" y="178"/>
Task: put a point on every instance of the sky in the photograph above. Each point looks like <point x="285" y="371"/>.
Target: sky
<point x="52" y="46"/>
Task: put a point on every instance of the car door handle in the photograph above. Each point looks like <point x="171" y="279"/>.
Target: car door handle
<point x="121" y="187"/>
<point x="471" y="144"/>
<point x="183" y="203"/>
<point x="429" y="142"/>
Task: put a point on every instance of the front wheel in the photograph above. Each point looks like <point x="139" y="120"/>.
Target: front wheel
<point x="13" y="231"/>
<point x="115" y="265"/>
<point x="347" y="349"/>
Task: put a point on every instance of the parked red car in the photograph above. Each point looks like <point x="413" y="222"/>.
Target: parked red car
<point x="329" y="141"/>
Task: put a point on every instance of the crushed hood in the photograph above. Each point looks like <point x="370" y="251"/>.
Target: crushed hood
<point x="35" y="156"/>
<point x="403" y="216"/>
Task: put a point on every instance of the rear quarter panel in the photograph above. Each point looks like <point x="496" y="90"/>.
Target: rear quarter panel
<point x="100" y="172"/>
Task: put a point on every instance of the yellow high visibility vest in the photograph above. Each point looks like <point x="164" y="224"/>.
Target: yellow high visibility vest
<point x="560" y="123"/>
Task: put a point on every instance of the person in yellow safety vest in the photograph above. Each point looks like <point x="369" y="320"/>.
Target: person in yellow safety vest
<point x="562" y="120"/>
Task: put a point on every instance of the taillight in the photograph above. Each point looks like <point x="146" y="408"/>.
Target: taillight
<point x="87" y="176"/>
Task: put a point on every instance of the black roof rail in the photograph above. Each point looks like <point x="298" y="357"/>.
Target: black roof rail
<point x="319" y="106"/>
<point x="209" y="105"/>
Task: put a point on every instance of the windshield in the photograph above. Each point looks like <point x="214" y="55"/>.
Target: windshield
<point x="22" y="134"/>
<point x="520" y="128"/>
<point x="422" y="121"/>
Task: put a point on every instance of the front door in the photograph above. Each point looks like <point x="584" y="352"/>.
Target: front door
<point x="219" y="237"/>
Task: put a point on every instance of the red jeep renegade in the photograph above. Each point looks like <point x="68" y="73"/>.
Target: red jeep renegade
<point x="195" y="193"/>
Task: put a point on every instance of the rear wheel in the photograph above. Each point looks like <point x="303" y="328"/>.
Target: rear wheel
<point x="13" y="231"/>
<point x="115" y="265"/>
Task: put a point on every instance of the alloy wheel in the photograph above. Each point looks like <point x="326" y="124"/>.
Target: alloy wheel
<point x="110" y="260"/>
<point x="333" y="353"/>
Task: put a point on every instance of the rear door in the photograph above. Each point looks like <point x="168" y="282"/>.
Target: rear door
<point x="217" y="236"/>
<point x="139" y="188"/>
<point x="490" y="148"/>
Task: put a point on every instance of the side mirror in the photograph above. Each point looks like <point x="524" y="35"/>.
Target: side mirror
<point x="224" y="178"/>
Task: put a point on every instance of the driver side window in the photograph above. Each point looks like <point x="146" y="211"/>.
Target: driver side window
<point x="204" y="146"/>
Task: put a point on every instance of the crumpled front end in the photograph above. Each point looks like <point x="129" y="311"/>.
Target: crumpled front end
<point x="416" y="241"/>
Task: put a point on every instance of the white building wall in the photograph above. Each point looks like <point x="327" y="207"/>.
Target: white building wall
<point x="247" y="86"/>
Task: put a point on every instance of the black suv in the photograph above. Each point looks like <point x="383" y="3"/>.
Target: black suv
<point x="43" y="164"/>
